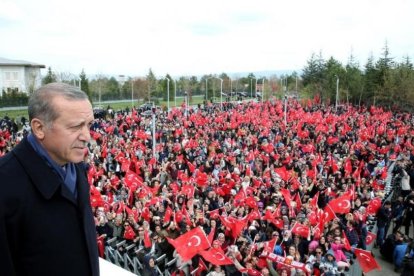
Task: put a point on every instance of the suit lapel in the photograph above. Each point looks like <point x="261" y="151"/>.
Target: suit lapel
<point x="87" y="216"/>
<point x="43" y="177"/>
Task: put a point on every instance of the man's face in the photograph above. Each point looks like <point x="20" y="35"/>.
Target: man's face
<point x="66" y="138"/>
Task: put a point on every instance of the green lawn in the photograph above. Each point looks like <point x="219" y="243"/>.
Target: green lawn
<point x="15" y="113"/>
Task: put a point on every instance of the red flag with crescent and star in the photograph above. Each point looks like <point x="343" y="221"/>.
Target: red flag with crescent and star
<point x="216" y="256"/>
<point x="341" y="205"/>
<point x="301" y="230"/>
<point x="370" y="238"/>
<point x="366" y="260"/>
<point x="374" y="206"/>
<point x="190" y="243"/>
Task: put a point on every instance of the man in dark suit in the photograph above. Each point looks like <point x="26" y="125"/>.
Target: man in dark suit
<point x="46" y="222"/>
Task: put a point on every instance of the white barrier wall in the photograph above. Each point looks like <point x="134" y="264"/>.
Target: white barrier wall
<point x="109" y="269"/>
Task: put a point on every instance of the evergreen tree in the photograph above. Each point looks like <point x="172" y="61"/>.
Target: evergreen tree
<point x="404" y="78"/>
<point x="333" y="71"/>
<point x="152" y="85"/>
<point x="84" y="84"/>
<point x="354" y="81"/>
<point x="370" y="81"/>
<point x="385" y="80"/>
<point x="50" y="76"/>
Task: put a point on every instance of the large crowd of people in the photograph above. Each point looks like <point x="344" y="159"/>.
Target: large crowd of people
<point x="274" y="191"/>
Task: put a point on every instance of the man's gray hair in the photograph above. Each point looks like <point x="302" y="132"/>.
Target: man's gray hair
<point x="40" y="102"/>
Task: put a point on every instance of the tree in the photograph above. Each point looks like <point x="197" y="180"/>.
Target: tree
<point x="370" y="81"/>
<point x="333" y="71"/>
<point x="314" y="74"/>
<point x="404" y="78"/>
<point x="164" y="85"/>
<point x="385" y="80"/>
<point x="113" y="88"/>
<point x="152" y="85"/>
<point x="194" y="85"/>
<point x="354" y="84"/>
<point x="50" y="76"/>
<point x="84" y="84"/>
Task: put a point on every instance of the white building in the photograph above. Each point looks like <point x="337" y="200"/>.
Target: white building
<point x="19" y="74"/>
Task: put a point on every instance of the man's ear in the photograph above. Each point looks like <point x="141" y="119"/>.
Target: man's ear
<point x="38" y="128"/>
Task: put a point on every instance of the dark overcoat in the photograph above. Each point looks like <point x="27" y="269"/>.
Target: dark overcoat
<point x="44" y="229"/>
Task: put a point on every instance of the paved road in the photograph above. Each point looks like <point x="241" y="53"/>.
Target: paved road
<point x="387" y="268"/>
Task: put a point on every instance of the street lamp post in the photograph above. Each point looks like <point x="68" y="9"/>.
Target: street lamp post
<point x="206" y="88"/>
<point x="153" y="131"/>
<point x="251" y="87"/>
<point x="168" y="93"/>
<point x="132" y="93"/>
<point x="99" y="90"/>
<point x="263" y="88"/>
<point x="337" y="92"/>
<point x="175" y="93"/>
<point x="285" y="110"/>
<point x="255" y="88"/>
<point x="296" y="86"/>
<point x="221" y="93"/>
<point x="231" y="87"/>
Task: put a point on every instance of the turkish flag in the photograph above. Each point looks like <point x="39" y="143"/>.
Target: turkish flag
<point x="168" y="213"/>
<point x="253" y="215"/>
<point x="129" y="233"/>
<point x="268" y="215"/>
<point x="278" y="223"/>
<point x="235" y="225"/>
<point x="132" y="180"/>
<point x="147" y="239"/>
<point x="250" y="271"/>
<point x="314" y="201"/>
<point x="313" y="218"/>
<point x="282" y="172"/>
<point x="188" y="190"/>
<point x="101" y="247"/>
<point x="286" y="196"/>
<point x="191" y="166"/>
<point x="347" y="245"/>
<point x="210" y="236"/>
<point x="366" y="260"/>
<point x="214" y="213"/>
<point x="327" y="214"/>
<point x="201" y="267"/>
<point x="341" y="205"/>
<point x="269" y="246"/>
<point x="374" y="206"/>
<point x="201" y="179"/>
<point x="370" y="238"/>
<point x="190" y="243"/>
<point x="301" y="230"/>
<point x="298" y="202"/>
<point x="216" y="256"/>
<point x="348" y="167"/>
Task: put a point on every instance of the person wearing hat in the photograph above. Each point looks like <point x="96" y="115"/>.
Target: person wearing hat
<point x="328" y="264"/>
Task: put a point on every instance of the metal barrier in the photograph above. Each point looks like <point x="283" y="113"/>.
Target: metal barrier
<point x="130" y="263"/>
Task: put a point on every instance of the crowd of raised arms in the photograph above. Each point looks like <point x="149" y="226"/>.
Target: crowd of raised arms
<point x="247" y="188"/>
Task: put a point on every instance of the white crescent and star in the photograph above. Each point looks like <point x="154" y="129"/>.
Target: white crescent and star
<point x="366" y="257"/>
<point x="219" y="256"/>
<point x="301" y="229"/>
<point x="196" y="238"/>
<point x="347" y="202"/>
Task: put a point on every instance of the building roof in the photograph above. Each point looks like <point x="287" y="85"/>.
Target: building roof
<point x="10" y="62"/>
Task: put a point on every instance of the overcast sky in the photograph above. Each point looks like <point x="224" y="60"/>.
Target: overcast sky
<point x="191" y="37"/>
